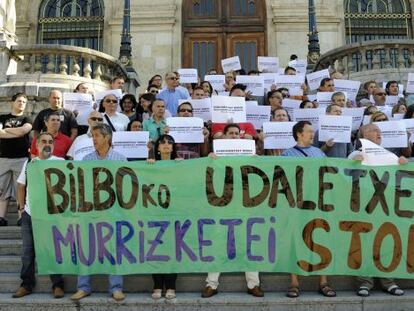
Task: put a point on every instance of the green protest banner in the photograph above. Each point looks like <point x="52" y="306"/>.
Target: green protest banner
<point x="269" y="214"/>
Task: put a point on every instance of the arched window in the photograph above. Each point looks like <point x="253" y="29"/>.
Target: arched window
<point x="71" y="22"/>
<point x="377" y="20"/>
<point x="216" y="29"/>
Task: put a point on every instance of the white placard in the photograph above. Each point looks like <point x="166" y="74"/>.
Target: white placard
<point x="393" y="134"/>
<point x="289" y="81"/>
<point x="300" y="65"/>
<point x="324" y="98"/>
<point x="201" y="107"/>
<point x="234" y="147"/>
<point x="349" y="87"/>
<point x="131" y="144"/>
<point x="100" y="95"/>
<point x="409" y="126"/>
<point x="357" y="115"/>
<point x="290" y="105"/>
<point x="311" y="97"/>
<point x="188" y="75"/>
<point x="216" y="81"/>
<point x="80" y="102"/>
<point x="269" y="79"/>
<point x="366" y="120"/>
<point x="387" y="110"/>
<point x="391" y="100"/>
<point x="314" y="79"/>
<point x="231" y="64"/>
<point x="376" y="155"/>
<point x="398" y="116"/>
<point x="278" y="135"/>
<point x="254" y="84"/>
<point x="410" y="83"/>
<point x="257" y="115"/>
<point x="186" y="129"/>
<point x="268" y="64"/>
<point x="311" y="115"/>
<point x="227" y="108"/>
<point x="82" y="146"/>
<point x="337" y="128"/>
<point x="296" y="91"/>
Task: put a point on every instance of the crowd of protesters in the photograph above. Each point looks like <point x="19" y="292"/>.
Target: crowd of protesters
<point x="54" y="135"/>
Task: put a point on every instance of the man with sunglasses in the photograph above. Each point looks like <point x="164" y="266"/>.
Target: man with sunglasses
<point x="84" y="140"/>
<point x="379" y="95"/>
<point x="172" y="94"/>
<point x="192" y="150"/>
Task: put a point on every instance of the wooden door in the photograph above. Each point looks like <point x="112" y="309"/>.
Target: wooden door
<point x="247" y="46"/>
<point x="202" y="51"/>
<point x="216" y="29"/>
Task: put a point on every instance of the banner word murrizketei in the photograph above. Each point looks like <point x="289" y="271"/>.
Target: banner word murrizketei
<point x="268" y="214"/>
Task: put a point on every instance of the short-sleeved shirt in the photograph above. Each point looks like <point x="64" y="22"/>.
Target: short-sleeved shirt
<point x="171" y="98"/>
<point x="61" y="146"/>
<point x="297" y="151"/>
<point x="14" y="147"/>
<point x="245" y="128"/>
<point x="22" y="180"/>
<point x="155" y="129"/>
<point x="67" y="120"/>
<point x="111" y="155"/>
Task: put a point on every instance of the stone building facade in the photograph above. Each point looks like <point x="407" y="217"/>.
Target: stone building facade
<point x="161" y="32"/>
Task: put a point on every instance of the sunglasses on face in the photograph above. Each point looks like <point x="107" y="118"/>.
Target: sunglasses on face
<point x="173" y="78"/>
<point x="154" y="92"/>
<point x="167" y="141"/>
<point x="111" y="101"/>
<point x="96" y="119"/>
<point x="380" y="94"/>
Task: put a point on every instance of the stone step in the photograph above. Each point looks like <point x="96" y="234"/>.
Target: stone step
<point x="11" y="247"/>
<point x="345" y="301"/>
<point x="10" y="232"/>
<point x="10" y="264"/>
<point x="190" y="282"/>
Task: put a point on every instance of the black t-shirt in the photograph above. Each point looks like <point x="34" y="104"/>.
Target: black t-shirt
<point x="14" y="147"/>
<point x="67" y="119"/>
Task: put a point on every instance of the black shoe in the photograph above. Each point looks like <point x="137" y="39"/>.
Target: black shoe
<point x="3" y="222"/>
<point x="19" y="222"/>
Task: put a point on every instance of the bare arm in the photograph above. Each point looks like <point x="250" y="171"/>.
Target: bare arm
<point x="21" y="195"/>
<point x="73" y="133"/>
<point x="19" y="131"/>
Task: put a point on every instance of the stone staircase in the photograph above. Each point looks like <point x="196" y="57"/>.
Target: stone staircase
<point x="232" y="289"/>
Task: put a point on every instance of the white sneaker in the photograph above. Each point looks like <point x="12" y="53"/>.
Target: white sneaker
<point x="156" y="294"/>
<point x="170" y="294"/>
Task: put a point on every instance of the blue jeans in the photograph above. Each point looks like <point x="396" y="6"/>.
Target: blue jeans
<point x="115" y="283"/>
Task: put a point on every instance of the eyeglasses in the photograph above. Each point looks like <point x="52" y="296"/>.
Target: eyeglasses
<point x="167" y="141"/>
<point x="111" y="101"/>
<point x="96" y="119"/>
<point x="173" y="78"/>
<point x="186" y="110"/>
<point x="380" y="94"/>
<point x="380" y="120"/>
<point x="154" y="92"/>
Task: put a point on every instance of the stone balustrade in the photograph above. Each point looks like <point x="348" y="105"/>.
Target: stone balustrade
<point x="63" y="64"/>
<point x="372" y="60"/>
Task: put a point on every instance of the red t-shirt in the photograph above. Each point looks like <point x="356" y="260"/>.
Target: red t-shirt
<point x="245" y="128"/>
<point x="60" y="147"/>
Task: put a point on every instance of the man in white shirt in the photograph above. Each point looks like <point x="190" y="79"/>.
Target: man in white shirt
<point x="44" y="144"/>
